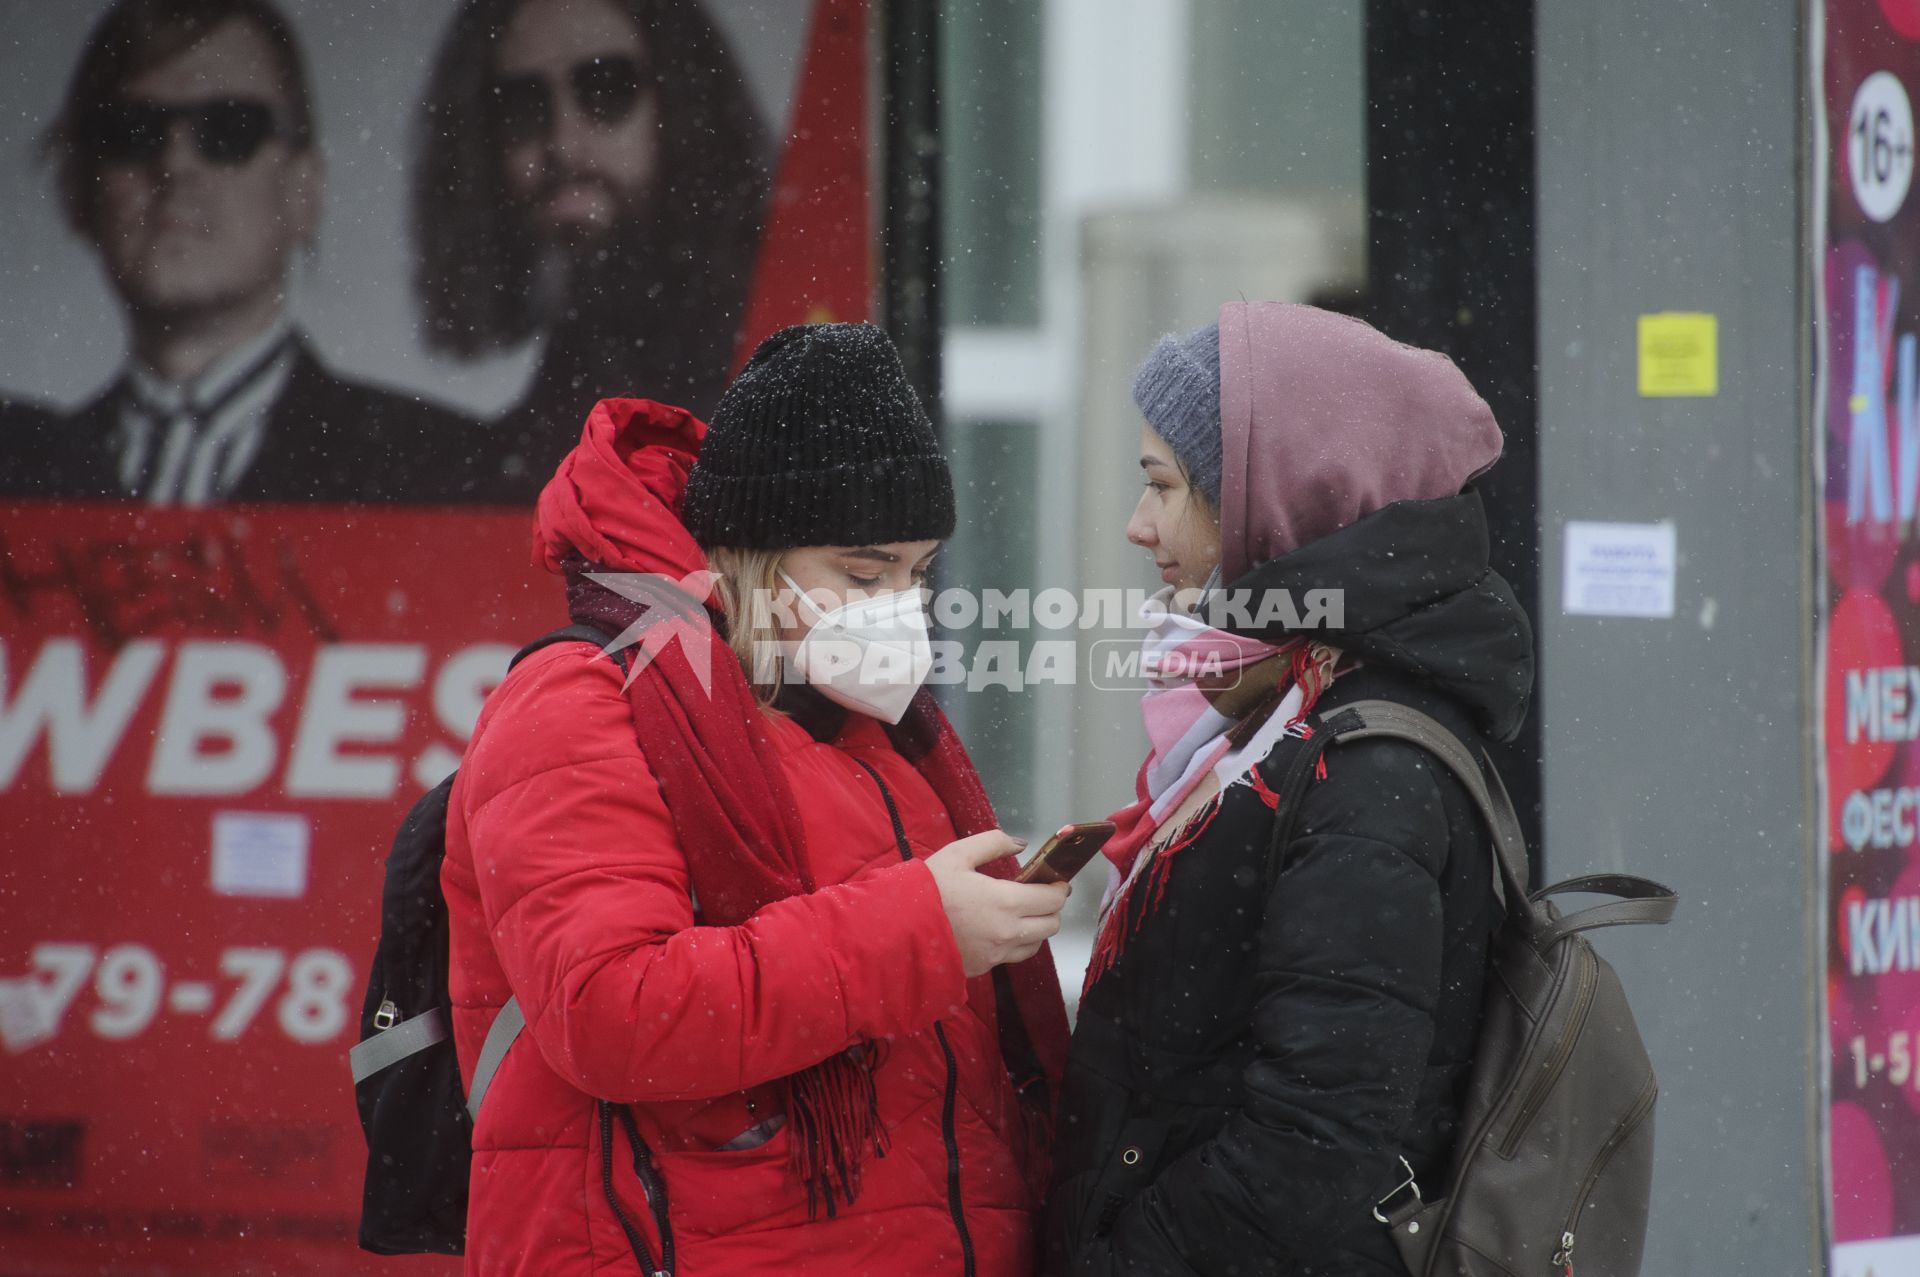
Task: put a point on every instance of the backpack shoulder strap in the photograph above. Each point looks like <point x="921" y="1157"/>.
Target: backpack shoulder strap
<point x="506" y="1027"/>
<point x="1363" y="719"/>
<point x="575" y="633"/>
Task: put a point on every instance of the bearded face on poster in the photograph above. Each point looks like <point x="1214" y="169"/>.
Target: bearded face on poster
<point x="592" y="174"/>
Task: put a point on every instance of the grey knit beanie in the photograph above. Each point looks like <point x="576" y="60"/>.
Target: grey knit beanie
<point x="1178" y="391"/>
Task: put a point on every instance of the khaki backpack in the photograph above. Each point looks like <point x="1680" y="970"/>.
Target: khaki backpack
<point x="1553" y="1165"/>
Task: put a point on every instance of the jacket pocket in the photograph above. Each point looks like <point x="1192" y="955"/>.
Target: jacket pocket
<point x="720" y="1191"/>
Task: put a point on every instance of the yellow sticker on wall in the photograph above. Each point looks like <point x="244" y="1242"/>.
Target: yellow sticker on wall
<point x="1679" y="355"/>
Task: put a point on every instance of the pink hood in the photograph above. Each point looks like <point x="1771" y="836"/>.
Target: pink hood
<point x="1324" y="419"/>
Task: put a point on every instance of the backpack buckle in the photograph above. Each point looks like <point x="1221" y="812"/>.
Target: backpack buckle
<point x="1407" y="1186"/>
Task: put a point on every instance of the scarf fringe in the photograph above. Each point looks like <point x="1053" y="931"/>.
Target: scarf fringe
<point x="834" y="1110"/>
<point x="1153" y="880"/>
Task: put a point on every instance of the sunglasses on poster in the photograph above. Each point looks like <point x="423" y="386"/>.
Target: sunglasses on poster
<point x="605" y="90"/>
<point x="226" y="131"/>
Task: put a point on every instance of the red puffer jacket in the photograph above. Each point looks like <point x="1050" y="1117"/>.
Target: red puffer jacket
<point x="566" y="888"/>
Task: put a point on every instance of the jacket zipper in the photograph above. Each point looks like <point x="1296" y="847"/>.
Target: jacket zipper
<point x="953" y="1151"/>
<point x="1557" y="1063"/>
<point x="655" y="1185"/>
<point x="638" y="1243"/>
<point x="1563" y="1258"/>
<point x="950" y="1104"/>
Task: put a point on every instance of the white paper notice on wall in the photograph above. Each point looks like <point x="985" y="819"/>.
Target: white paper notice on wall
<point x="1619" y="569"/>
<point x="260" y="854"/>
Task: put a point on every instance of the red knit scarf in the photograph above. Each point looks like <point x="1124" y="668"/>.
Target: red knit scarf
<point x="1311" y="668"/>
<point x="734" y="815"/>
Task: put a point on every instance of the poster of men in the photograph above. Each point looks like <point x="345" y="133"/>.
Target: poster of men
<point x="305" y="299"/>
<point x="257" y="265"/>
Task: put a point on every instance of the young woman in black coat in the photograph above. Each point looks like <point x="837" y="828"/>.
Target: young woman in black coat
<point x="1274" y="1029"/>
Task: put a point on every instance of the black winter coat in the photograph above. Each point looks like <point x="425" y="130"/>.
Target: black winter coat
<point x="1244" y="1081"/>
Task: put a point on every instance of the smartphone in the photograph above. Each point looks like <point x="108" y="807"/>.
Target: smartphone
<point x="1066" y="853"/>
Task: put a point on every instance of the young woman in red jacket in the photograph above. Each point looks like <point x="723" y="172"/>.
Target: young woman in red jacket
<point x="782" y="1011"/>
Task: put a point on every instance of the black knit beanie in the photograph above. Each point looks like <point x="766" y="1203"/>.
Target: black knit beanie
<point x="820" y="441"/>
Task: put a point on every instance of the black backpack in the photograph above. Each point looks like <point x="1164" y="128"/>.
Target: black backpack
<point x="406" y="1079"/>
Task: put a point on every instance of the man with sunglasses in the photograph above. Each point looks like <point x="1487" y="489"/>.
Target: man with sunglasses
<point x="592" y="175"/>
<point x="186" y="160"/>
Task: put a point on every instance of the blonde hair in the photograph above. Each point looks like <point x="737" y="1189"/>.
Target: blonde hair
<point x="745" y="583"/>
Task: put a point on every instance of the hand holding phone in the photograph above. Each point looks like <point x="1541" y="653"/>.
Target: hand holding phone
<point x="995" y="920"/>
<point x="1067" y="852"/>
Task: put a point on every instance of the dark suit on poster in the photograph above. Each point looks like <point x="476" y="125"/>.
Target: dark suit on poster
<point x="326" y="439"/>
<point x="27" y="460"/>
<point x="22" y="416"/>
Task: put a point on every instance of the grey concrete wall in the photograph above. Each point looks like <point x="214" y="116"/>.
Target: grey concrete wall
<point x="1670" y="178"/>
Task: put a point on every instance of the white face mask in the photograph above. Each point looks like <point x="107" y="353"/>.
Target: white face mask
<point x="870" y="655"/>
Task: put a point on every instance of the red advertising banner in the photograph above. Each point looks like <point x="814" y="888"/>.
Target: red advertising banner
<point x="212" y="721"/>
<point x="1868" y="453"/>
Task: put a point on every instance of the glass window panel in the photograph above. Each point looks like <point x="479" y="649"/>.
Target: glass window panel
<point x="990" y="125"/>
<point x="997" y="489"/>
<point x="1275" y="98"/>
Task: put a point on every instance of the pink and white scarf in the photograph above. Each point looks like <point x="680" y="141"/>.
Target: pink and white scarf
<point x="1185" y="661"/>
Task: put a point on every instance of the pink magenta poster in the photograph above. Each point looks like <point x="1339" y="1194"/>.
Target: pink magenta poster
<point x="1867" y="70"/>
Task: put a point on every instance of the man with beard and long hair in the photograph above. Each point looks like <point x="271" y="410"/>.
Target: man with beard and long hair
<point x="592" y="173"/>
<point x="187" y="160"/>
